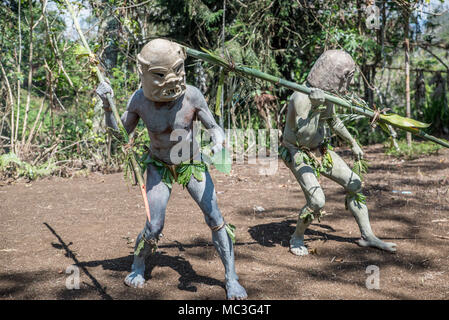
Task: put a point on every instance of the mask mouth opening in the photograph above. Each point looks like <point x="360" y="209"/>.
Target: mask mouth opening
<point x="171" y="92"/>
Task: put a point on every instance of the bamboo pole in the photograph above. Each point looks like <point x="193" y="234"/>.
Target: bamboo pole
<point x="16" y="127"/>
<point x="395" y="120"/>
<point x="134" y="164"/>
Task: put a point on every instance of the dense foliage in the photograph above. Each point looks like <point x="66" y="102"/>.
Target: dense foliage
<point x="51" y="119"/>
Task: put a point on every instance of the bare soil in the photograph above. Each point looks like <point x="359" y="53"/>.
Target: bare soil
<point x="92" y="222"/>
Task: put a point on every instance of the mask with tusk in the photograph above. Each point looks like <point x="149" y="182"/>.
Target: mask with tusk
<point x="161" y="70"/>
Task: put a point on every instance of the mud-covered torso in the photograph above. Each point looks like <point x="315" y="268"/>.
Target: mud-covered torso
<point x="169" y="121"/>
<point x="305" y="126"/>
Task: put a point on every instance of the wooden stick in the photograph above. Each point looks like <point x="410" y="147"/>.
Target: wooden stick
<point x="134" y="164"/>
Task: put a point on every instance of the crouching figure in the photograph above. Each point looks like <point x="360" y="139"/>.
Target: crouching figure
<point x="308" y="155"/>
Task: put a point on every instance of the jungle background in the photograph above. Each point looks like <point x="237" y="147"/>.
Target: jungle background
<point x="52" y="121"/>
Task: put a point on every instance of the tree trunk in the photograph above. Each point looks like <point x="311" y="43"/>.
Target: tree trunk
<point x="30" y="78"/>
<point x="221" y="118"/>
<point x="420" y="92"/>
<point x="407" y="73"/>
<point x="18" y="80"/>
<point x="111" y="51"/>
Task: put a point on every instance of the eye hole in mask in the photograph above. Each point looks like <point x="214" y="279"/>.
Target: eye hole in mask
<point x="160" y="75"/>
<point x="179" y="68"/>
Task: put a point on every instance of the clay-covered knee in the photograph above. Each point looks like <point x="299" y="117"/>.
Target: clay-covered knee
<point x="317" y="203"/>
<point x="354" y="186"/>
<point x="153" y="229"/>
<point x="214" y="219"/>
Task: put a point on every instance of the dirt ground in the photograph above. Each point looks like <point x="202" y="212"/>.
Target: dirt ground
<point x="92" y="222"/>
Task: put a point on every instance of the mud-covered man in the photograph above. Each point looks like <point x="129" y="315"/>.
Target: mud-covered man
<point x="168" y="108"/>
<point x="308" y="155"/>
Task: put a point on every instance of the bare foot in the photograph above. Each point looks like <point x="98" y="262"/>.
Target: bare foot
<point x="234" y="291"/>
<point x="297" y="247"/>
<point x="377" y="243"/>
<point x="135" y="280"/>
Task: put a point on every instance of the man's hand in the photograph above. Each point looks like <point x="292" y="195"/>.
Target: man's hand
<point x="317" y="97"/>
<point x="216" y="149"/>
<point x="102" y="90"/>
<point x="357" y="151"/>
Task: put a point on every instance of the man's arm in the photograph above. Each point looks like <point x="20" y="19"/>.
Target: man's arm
<point x="129" y="117"/>
<point x="207" y="119"/>
<point x="129" y="120"/>
<point x="317" y="99"/>
<point x="339" y="128"/>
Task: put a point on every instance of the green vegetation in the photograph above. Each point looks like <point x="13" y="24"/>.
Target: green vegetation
<point x="11" y="165"/>
<point x="360" y="167"/>
<point x="418" y="149"/>
<point x="52" y="122"/>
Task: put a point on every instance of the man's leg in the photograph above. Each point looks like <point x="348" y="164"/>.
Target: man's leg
<point x="203" y="192"/>
<point x="158" y="194"/>
<point x="315" y="201"/>
<point x="344" y="176"/>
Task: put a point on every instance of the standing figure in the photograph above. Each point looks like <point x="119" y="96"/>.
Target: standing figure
<point x="308" y="155"/>
<point x="168" y="108"/>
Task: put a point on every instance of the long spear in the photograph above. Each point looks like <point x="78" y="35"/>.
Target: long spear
<point x="128" y="151"/>
<point x="360" y="107"/>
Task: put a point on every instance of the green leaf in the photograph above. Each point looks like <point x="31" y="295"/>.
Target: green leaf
<point x="165" y="173"/>
<point x="182" y="168"/>
<point x="402" y="122"/>
<point x="198" y="172"/>
<point x="139" y="247"/>
<point x="219" y="91"/>
<point x="306" y="159"/>
<point x="230" y="229"/>
<point x="307" y="215"/>
<point x="184" y="176"/>
<point x="360" y="168"/>
<point x="81" y="51"/>
<point x="327" y="162"/>
<point x="360" y="198"/>
<point x="167" y="177"/>
<point x="384" y="127"/>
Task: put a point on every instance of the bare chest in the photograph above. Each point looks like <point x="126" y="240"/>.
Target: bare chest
<point x="314" y="118"/>
<point x="163" y="119"/>
<point x="310" y="130"/>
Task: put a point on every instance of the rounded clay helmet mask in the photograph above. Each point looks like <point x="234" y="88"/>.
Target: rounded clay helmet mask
<point x="333" y="71"/>
<point x="161" y="69"/>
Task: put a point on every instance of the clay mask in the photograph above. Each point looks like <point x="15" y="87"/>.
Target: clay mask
<point x="161" y="69"/>
<point x="333" y="71"/>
